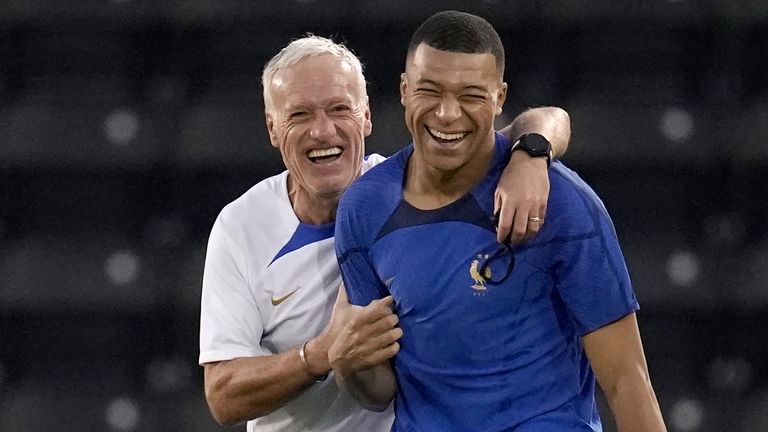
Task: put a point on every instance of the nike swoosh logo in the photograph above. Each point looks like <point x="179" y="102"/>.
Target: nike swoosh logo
<point x="277" y="301"/>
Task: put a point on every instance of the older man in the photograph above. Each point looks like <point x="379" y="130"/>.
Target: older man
<point x="271" y="275"/>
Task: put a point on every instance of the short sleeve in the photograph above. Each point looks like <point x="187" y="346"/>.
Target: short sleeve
<point x="230" y="322"/>
<point x="360" y="278"/>
<point x="592" y="276"/>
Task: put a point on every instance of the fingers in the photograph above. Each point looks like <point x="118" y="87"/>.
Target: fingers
<point x="369" y="337"/>
<point x="521" y="194"/>
<point x="381" y="345"/>
<point x="382" y="354"/>
<point x="505" y="221"/>
<point x="376" y="315"/>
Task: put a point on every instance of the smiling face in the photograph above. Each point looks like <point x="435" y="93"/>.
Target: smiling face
<point x="319" y="118"/>
<point x="451" y="100"/>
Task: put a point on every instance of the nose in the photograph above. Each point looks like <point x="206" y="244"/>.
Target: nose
<point x="449" y="109"/>
<point x="322" y="128"/>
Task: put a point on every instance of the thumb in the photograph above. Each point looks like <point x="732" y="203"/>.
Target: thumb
<point x="341" y="298"/>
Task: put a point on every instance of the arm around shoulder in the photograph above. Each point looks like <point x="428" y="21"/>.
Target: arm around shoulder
<point x="553" y="123"/>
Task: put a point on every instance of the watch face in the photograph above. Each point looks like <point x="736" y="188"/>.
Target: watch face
<point x="536" y="144"/>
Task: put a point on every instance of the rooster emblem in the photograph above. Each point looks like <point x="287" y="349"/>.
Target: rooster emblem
<point x="478" y="278"/>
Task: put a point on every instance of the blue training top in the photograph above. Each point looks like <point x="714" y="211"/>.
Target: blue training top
<point x="475" y="354"/>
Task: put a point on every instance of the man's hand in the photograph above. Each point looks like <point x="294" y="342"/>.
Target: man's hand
<point x="368" y="338"/>
<point x="521" y="198"/>
<point x="523" y="190"/>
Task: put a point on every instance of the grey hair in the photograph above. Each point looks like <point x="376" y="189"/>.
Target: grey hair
<point x="299" y="49"/>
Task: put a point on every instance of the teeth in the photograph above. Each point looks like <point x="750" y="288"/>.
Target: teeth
<point x="324" y="152"/>
<point x="448" y="136"/>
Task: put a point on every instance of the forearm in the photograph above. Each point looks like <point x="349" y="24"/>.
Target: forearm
<point x="634" y="405"/>
<point x="551" y="122"/>
<point x="250" y="387"/>
<point x="374" y="388"/>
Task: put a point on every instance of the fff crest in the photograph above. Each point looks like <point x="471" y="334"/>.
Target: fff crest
<point x="479" y="279"/>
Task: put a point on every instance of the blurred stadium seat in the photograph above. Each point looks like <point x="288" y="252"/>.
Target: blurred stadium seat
<point x="389" y="133"/>
<point x="190" y="278"/>
<point x="753" y="413"/>
<point x="78" y="274"/>
<point x="37" y="406"/>
<point x="748" y="135"/>
<point x="225" y="135"/>
<point x="746" y="278"/>
<point x="605" y="134"/>
<point x="77" y="135"/>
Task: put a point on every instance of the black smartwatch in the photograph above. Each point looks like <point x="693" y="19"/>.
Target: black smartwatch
<point x="535" y="145"/>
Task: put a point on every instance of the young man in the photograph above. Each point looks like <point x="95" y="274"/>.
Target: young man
<point x="271" y="275"/>
<point x="490" y="337"/>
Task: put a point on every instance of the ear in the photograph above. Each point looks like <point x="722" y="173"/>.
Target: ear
<point x="403" y="88"/>
<point x="271" y="129"/>
<point x="367" y="124"/>
<point x="501" y="97"/>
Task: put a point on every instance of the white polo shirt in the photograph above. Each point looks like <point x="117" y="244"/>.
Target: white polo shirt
<point x="269" y="284"/>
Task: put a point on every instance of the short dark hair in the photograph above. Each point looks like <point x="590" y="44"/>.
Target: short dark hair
<point x="462" y="32"/>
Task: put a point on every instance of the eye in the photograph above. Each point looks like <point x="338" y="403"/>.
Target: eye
<point x="427" y="91"/>
<point x="298" y="115"/>
<point x="474" y="97"/>
<point x="340" y="109"/>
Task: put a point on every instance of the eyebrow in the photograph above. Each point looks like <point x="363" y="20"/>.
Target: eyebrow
<point x="433" y="83"/>
<point x="304" y="105"/>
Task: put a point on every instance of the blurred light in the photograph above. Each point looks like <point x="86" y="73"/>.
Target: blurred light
<point x="677" y="124"/>
<point x="730" y="374"/>
<point x="123" y="414"/>
<point x="167" y="231"/>
<point x="122" y="267"/>
<point x="683" y="268"/>
<point x="727" y="228"/>
<point x="167" y="375"/>
<point x="121" y="126"/>
<point x="687" y="415"/>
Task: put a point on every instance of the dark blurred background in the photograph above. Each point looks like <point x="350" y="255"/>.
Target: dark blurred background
<point x="125" y="126"/>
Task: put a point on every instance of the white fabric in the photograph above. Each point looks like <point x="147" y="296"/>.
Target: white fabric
<point x="237" y="316"/>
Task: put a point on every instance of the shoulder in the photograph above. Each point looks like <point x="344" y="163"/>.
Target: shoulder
<point x="573" y="202"/>
<point x="371" y="161"/>
<point x="382" y="181"/>
<point x="259" y="218"/>
<point x="372" y="197"/>
<point x="263" y="200"/>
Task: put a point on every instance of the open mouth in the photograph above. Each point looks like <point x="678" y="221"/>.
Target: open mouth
<point x="321" y="155"/>
<point x="446" y="137"/>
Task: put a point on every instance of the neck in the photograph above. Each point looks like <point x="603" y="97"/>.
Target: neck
<point x="311" y="208"/>
<point x="428" y="187"/>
